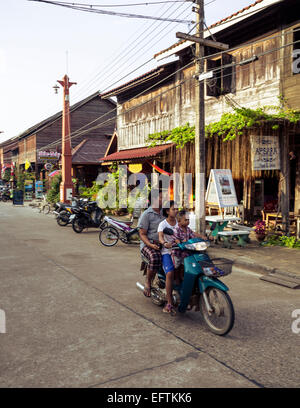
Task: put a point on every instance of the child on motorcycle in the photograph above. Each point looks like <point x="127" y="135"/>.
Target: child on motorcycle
<point x="182" y="233"/>
<point x="166" y="242"/>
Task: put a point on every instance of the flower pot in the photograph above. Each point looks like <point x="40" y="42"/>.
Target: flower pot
<point x="260" y="237"/>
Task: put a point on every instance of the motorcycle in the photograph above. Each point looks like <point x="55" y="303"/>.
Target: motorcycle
<point x="89" y="216"/>
<point x="200" y="288"/>
<point x="4" y="195"/>
<point x="64" y="212"/>
<point x="112" y="230"/>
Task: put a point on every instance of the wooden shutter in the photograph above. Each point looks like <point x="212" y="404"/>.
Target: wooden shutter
<point x="227" y="74"/>
<point x="213" y="84"/>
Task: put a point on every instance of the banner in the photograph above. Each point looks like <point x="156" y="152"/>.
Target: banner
<point x="265" y="152"/>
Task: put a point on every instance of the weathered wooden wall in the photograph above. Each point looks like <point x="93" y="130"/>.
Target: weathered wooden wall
<point x="290" y="80"/>
<point x="256" y="84"/>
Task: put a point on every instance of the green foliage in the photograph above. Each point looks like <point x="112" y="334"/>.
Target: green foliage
<point x="284" y="241"/>
<point x="230" y="125"/>
<point x="180" y="136"/>
<point x="6" y="176"/>
<point x="53" y="194"/>
<point x="90" y="192"/>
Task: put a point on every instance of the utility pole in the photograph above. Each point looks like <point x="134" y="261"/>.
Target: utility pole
<point x="200" y="123"/>
<point x="200" y="159"/>
<point x="66" y="186"/>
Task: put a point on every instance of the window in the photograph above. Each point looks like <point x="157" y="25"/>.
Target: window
<point x="296" y="51"/>
<point x="223" y="81"/>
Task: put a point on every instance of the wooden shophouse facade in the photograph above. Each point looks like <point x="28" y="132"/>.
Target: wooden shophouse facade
<point x="87" y="140"/>
<point x="255" y="72"/>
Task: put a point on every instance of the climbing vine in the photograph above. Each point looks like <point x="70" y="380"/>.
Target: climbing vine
<point x="230" y="125"/>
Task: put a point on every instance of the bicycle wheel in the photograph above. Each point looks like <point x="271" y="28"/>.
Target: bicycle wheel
<point x="220" y="321"/>
<point x="46" y="209"/>
<point x="109" y="236"/>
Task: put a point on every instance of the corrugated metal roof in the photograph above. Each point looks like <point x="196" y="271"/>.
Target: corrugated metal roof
<point x="89" y="150"/>
<point x="140" y="153"/>
<point x="268" y="2"/>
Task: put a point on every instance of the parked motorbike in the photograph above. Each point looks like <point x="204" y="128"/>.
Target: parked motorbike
<point x="64" y="212"/>
<point x="4" y="195"/>
<point x="112" y="230"/>
<point x="89" y="216"/>
<point x="201" y="287"/>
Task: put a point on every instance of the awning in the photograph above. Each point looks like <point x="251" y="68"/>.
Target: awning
<point x="140" y="153"/>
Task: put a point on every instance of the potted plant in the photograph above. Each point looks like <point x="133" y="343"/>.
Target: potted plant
<point x="260" y="230"/>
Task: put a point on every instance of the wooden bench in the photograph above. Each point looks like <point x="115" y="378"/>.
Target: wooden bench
<point x="242" y="235"/>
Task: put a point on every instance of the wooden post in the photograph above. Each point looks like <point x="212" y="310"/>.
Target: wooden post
<point x="66" y="186"/>
<point x="297" y="186"/>
<point x="200" y="124"/>
<point x="285" y="181"/>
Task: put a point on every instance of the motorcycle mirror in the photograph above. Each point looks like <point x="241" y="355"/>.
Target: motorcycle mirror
<point x="168" y="231"/>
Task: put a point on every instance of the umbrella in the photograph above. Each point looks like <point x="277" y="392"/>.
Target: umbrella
<point x="54" y="173"/>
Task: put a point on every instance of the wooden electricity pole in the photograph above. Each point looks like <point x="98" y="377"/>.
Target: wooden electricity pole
<point x="66" y="186"/>
<point x="200" y="123"/>
<point x="200" y="159"/>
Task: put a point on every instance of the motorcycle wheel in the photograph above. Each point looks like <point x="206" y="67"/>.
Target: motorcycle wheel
<point x="4" y="199"/>
<point x="221" y="320"/>
<point x="109" y="236"/>
<point x="62" y="219"/>
<point x="77" y="226"/>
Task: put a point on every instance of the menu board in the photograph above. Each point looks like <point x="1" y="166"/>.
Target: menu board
<point x="220" y="190"/>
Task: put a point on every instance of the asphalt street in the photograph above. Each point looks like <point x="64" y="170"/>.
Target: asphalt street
<point x="74" y="318"/>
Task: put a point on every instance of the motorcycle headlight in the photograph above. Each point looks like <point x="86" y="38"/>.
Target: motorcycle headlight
<point x="197" y="246"/>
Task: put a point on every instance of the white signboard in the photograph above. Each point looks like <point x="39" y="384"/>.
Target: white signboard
<point x="265" y="152"/>
<point x="220" y="189"/>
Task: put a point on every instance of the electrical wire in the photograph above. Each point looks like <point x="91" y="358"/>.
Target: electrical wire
<point x="125" y="5"/>
<point x="120" y="62"/>
<point x="137" y="106"/>
<point x="110" y="13"/>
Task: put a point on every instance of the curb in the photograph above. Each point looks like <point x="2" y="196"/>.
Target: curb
<point x="253" y="267"/>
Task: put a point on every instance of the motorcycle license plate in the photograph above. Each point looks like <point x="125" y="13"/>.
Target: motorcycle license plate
<point x="72" y="217"/>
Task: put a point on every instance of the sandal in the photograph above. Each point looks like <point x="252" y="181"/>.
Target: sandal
<point x="169" y="309"/>
<point x="147" y="291"/>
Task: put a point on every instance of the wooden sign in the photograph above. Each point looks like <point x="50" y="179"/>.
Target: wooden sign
<point x="265" y="152"/>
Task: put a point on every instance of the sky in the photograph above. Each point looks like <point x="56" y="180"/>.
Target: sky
<point x="40" y="43"/>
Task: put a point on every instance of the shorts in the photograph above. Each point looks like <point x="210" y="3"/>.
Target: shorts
<point x="167" y="263"/>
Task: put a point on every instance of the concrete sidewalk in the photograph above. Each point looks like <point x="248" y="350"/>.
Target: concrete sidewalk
<point x="261" y="259"/>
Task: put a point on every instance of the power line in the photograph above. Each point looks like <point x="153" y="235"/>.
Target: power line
<point x="75" y="134"/>
<point x="124" y="5"/>
<point x="118" y="63"/>
<point x="111" y="13"/>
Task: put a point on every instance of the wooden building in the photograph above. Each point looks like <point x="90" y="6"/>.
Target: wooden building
<point x="255" y="72"/>
<point x="88" y="141"/>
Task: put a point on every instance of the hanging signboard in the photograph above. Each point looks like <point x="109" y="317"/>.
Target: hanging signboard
<point x="48" y="156"/>
<point x="265" y="152"/>
<point x="220" y="190"/>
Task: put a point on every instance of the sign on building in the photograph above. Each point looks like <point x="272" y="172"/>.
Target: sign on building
<point x="220" y="190"/>
<point x="48" y="156"/>
<point x="265" y="152"/>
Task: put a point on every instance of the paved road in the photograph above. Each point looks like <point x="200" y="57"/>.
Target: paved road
<point x="75" y="319"/>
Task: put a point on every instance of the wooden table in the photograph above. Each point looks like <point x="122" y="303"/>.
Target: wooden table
<point x="221" y="222"/>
